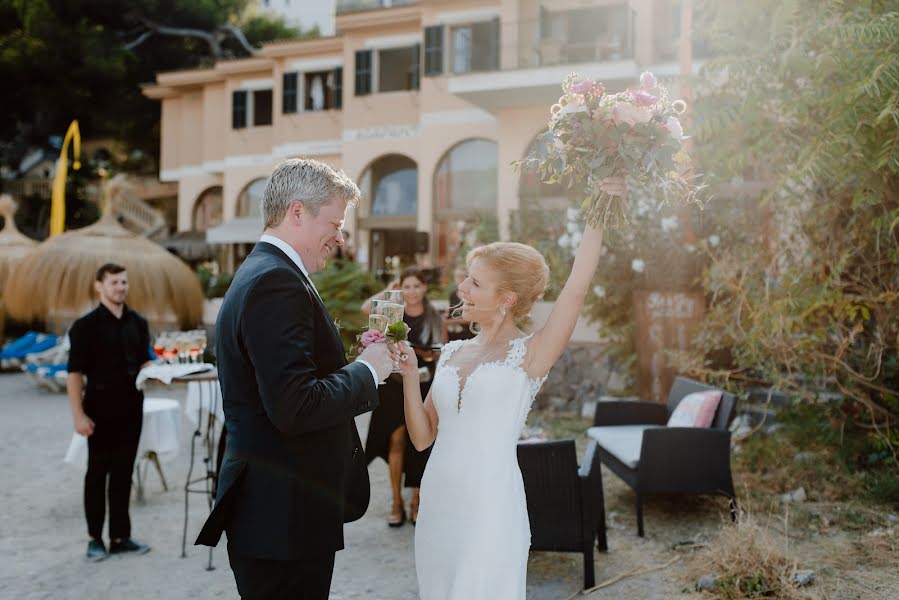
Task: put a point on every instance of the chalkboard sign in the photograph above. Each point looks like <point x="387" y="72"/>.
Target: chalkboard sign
<point x="665" y="320"/>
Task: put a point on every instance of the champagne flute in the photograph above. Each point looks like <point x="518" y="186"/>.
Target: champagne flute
<point x="378" y="318"/>
<point x="159" y="346"/>
<point x="394" y="309"/>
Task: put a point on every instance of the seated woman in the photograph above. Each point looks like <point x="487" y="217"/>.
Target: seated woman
<point x="387" y="436"/>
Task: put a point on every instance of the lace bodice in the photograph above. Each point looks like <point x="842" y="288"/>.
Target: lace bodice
<point x="504" y="380"/>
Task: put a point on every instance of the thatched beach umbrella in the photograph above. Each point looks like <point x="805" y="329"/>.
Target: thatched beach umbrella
<point x="13" y="245"/>
<point x="55" y="282"/>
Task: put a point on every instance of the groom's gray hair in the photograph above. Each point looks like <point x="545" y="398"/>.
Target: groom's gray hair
<point x="309" y="181"/>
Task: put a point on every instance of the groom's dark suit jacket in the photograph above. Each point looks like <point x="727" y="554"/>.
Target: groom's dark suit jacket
<point x="289" y="400"/>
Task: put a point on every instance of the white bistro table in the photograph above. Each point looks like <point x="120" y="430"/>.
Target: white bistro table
<point x="159" y="439"/>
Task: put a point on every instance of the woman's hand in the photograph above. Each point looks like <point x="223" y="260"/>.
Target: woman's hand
<point x="409" y="364"/>
<point x="614" y="186"/>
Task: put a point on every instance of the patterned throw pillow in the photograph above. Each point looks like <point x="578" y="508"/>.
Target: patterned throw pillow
<point x="695" y="410"/>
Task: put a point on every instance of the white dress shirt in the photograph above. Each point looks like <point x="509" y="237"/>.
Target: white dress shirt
<point x="295" y="257"/>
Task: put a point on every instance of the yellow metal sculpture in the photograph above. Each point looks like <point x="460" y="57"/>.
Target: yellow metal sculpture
<point x="58" y="193"/>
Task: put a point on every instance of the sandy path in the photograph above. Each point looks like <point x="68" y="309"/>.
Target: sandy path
<point x="42" y="530"/>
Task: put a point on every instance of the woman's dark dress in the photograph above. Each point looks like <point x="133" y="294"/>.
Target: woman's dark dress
<point x="390" y="414"/>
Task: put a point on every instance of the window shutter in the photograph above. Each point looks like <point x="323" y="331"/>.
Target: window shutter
<point x="338" y="87"/>
<point x="415" y="68"/>
<point x="239" y="109"/>
<point x="289" y="93"/>
<point x="363" y="72"/>
<point x="494" y="44"/>
<point x="434" y="50"/>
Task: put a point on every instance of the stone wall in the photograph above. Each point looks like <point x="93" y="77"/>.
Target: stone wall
<point x="582" y="374"/>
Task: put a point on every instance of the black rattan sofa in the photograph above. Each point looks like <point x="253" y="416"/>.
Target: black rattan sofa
<point x="635" y="443"/>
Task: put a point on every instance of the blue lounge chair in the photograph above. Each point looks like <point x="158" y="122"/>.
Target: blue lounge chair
<point x="12" y="349"/>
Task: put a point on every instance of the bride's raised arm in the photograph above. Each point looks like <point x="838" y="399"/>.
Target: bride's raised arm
<point x="549" y="342"/>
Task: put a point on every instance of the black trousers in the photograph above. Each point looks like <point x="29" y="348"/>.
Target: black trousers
<point x="259" y="579"/>
<point x="111" y="451"/>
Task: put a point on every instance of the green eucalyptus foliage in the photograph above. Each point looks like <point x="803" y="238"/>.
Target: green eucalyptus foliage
<point x="803" y="96"/>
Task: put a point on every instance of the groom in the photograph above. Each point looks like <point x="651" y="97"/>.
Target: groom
<point x="294" y="469"/>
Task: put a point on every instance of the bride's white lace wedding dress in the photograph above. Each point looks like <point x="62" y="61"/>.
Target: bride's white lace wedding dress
<point x="472" y="535"/>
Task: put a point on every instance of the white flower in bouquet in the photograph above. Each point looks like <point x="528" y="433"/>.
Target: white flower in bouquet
<point x="641" y="207"/>
<point x="572" y="227"/>
<point x="564" y="240"/>
<point x="638" y="265"/>
<point x="714" y="240"/>
<point x="672" y="124"/>
<point x="669" y="223"/>
<point x="635" y="135"/>
<point x="573" y="214"/>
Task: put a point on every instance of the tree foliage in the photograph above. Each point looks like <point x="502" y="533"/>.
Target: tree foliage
<point x="86" y="59"/>
<point x="804" y="287"/>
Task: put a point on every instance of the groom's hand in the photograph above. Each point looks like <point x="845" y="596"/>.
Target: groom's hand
<point x="380" y="358"/>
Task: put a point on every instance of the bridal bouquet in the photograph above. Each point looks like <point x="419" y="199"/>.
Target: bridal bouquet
<point x="635" y="134"/>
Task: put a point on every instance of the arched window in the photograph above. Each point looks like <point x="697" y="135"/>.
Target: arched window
<point x="465" y="190"/>
<point x="390" y="187"/>
<point x="465" y="180"/>
<point x="249" y="202"/>
<point x="208" y="209"/>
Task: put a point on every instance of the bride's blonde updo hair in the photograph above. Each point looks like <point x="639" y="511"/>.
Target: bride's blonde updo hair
<point x="520" y="270"/>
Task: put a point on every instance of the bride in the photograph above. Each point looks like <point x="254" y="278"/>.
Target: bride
<point x="472" y="537"/>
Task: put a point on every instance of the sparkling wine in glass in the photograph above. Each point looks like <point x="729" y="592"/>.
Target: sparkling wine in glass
<point x="394" y="309"/>
<point x="159" y="346"/>
<point x="378" y="322"/>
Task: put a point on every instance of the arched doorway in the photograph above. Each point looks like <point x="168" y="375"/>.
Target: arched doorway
<point x="208" y="209"/>
<point x="388" y="211"/>
<point x="465" y="190"/>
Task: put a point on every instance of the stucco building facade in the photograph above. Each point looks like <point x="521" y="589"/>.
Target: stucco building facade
<point x="424" y="104"/>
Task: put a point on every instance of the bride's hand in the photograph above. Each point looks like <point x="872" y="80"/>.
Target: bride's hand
<point x="613" y="186"/>
<point x="409" y="364"/>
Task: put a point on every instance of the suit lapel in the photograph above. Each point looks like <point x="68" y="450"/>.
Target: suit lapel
<point x="275" y="251"/>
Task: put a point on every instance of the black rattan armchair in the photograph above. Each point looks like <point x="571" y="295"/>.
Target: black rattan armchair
<point x="565" y="503"/>
<point x="635" y="443"/>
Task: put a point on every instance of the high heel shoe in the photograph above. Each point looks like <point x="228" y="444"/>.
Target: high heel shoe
<point x="393" y="521"/>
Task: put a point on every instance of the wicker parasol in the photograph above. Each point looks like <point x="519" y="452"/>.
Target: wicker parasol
<point x="55" y="282"/>
<point x="13" y="245"/>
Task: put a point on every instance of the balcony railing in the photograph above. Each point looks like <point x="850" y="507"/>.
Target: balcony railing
<point x="527" y="44"/>
<point x="351" y="6"/>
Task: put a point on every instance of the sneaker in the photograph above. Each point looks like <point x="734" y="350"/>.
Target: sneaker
<point x="96" y="551"/>
<point x="128" y="545"/>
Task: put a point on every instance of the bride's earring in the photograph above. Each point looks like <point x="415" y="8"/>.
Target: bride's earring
<point x="502" y="311"/>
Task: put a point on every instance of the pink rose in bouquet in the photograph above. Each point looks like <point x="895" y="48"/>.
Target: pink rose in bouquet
<point x="625" y="112"/>
<point x="372" y="336"/>
<point x="648" y="81"/>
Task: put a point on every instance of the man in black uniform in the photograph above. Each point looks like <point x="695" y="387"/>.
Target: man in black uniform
<point x="109" y="345"/>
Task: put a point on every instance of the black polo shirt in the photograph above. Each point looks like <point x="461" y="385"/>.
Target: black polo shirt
<point x="109" y="350"/>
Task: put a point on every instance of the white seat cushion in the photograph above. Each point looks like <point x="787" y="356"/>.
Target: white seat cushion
<point x="621" y="441"/>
